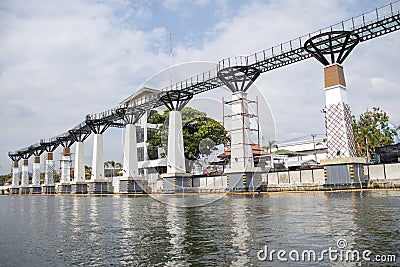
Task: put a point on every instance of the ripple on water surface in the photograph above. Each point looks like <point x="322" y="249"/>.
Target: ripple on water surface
<point x="65" y="230"/>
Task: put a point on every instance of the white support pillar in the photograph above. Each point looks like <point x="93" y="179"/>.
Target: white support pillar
<point x="25" y="174"/>
<point x="36" y="171"/>
<point x="130" y="152"/>
<point x="15" y="174"/>
<point x="175" y="155"/>
<point x="338" y="119"/>
<point x="97" y="160"/>
<point x="79" y="169"/>
<point x="241" y="148"/>
<point x="49" y="170"/>
<point x="65" y="166"/>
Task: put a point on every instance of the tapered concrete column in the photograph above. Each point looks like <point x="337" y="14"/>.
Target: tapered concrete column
<point x="130" y="151"/>
<point x="176" y="156"/>
<point x="25" y="174"/>
<point x="241" y="149"/>
<point x="97" y="160"/>
<point x="15" y="174"/>
<point x="342" y="168"/>
<point x="49" y="170"/>
<point x="65" y="166"/>
<point x="338" y="119"/>
<point x="79" y="169"/>
<point x="36" y="171"/>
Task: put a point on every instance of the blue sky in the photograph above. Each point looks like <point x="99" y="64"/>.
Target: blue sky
<point x="60" y="60"/>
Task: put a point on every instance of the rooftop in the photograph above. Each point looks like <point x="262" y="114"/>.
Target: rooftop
<point x="142" y="92"/>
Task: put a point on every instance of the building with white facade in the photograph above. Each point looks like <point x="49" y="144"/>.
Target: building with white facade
<point x="150" y="162"/>
<point x="302" y="151"/>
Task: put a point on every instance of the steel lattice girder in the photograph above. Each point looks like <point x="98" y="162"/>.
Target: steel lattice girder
<point x="176" y="99"/>
<point x="238" y="78"/>
<point x="14" y="156"/>
<point x="130" y="115"/>
<point x="100" y="122"/>
<point x="337" y="44"/>
<point x="50" y="144"/>
<point x="66" y="139"/>
<point x="37" y="149"/>
<point x="80" y="132"/>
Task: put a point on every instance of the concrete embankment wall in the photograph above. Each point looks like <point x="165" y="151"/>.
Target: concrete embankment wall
<point x="379" y="176"/>
<point x="294" y="180"/>
<point x="210" y="184"/>
<point x="383" y="175"/>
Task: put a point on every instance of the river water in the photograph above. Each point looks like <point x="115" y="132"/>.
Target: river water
<point x="229" y="231"/>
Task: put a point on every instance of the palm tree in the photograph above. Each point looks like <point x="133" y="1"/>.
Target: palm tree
<point x="110" y="164"/>
<point x="271" y="144"/>
<point x="118" y="165"/>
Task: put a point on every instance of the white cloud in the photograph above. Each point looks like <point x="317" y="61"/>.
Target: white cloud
<point x="61" y="61"/>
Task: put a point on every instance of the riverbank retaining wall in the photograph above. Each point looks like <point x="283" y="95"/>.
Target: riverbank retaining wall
<point x="313" y="179"/>
<point x="383" y="175"/>
<point x="378" y="176"/>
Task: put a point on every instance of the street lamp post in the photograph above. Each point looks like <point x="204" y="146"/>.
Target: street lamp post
<point x="315" y="151"/>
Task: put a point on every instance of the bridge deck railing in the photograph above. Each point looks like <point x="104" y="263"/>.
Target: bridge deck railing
<point x="348" y="25"/>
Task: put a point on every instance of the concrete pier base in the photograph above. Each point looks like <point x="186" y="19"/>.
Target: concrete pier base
<point x="79" y="188"/>
<point x="14" y="190"/>
<point x="23" y="190"/>
<point x="130" y="185"/>
<point x="35" y="189"/>
<point x="178" y="183"/>
<point x="97" y="187"/>
<point x="343" y="173"/>
<point x="48" y="189"/>
<point x="64" y="188"/>
<point x="243" y="181"/>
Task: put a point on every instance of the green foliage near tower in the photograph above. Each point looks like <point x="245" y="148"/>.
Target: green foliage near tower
<point x="372" y="130"/>
<point x="200" y="133"/>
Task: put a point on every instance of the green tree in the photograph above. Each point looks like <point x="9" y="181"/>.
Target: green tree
<point x="88" y="172"/>
<point x="200" y="133"/>
<point x="372" y="130"/>
<point x="4" y="178"/>
<point x="56" y="177"/>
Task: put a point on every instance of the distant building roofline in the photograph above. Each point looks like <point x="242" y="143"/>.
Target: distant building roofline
<point x="300" y="142"/>
<point x="139" y="92"/>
